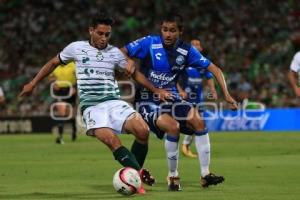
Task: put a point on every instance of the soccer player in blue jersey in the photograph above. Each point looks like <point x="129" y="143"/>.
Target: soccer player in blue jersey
<point x="163" y="58"/>
<point x="190" y="89"/>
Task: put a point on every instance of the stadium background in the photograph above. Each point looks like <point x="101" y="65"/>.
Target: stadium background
<point x="250" y="40"/>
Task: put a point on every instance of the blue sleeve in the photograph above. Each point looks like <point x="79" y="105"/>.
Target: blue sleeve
<point x="196" y="59"/>
<point x="208" y="74"/>
<point x="139" y="48"/>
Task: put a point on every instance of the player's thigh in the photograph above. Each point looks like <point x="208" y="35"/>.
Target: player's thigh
<point x="136" y="126"/>
<point x="167" y="124"/>
<point x="150" y="112"/>
<point x="194" y="120"/>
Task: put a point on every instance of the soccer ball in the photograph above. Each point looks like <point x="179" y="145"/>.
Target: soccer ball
<point x="127" y="181"/>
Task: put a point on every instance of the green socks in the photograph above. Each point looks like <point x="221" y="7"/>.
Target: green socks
<point x="139" y="151"/>
<point x="126" y="158"/>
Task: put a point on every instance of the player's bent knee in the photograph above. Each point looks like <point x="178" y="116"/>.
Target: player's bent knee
<point x="173" y="129"/>
<point x="196" y="125"/>
<point x="168" y="125"/>
<point x="141" y="130"/>
<point x="142" y="134"/>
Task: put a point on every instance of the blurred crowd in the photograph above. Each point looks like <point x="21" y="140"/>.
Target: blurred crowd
<point x="249" y="40"/>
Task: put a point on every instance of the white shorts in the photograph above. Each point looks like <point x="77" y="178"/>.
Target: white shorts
<point x="109" y="114"/>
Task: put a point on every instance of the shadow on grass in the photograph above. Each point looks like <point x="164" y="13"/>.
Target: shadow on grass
<point x="41" y="195"/>
<point x="103" y="192"/>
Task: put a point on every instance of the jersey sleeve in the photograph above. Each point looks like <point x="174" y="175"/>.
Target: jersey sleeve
<point x="121" y="62"/>
<point x="295" y="64"/>
<point x="139" y="48"/>
<point x="67" y="54"/>
<point x="196" y="59"/>
<point x="208" y="74"/>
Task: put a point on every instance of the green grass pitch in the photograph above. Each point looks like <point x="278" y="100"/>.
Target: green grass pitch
<point x="256" y="166"/>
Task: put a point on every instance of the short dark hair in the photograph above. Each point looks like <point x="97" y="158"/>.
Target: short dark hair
<point x="102" y="18"/>
<point x="173" y="17"/>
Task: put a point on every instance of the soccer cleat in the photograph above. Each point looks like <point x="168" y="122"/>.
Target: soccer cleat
<point x="187" y="151"/>
<point x="146" y="177"/>
<point x="173" y="183"/>
<point x="141" y="190"/>
<point x="211" y="179"/>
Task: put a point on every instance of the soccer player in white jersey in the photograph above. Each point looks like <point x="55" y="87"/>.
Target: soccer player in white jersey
<point x="104" y="114"/>
<point x="294" y="73"/>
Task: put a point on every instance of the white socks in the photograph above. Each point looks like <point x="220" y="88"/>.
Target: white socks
<point x="203" y="148"/>
<point x="171" y="146"/>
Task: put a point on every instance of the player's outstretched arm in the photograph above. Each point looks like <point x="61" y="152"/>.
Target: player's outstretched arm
<point x="212" y="89"/>
<point x="293" y="81"/>
<point x="217" y="72"/>
<point x="45" y="71"/>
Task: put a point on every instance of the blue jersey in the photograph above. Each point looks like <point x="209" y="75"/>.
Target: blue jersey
<point x="191" y="81"/>
<point x="162" y="65"/>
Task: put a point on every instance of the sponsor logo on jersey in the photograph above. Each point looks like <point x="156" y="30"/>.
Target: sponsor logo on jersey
<point x="162" y="76"/>
<point x="156" y="46"/>
<point x="90" y="72"/>
<point x="182" y="51"/>
<point x="158" y="56"/>
<point x="85" y="60"/>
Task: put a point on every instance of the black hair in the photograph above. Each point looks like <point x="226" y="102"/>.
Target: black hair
<point x="173" y="17"/>
<point x="102" y="18"/>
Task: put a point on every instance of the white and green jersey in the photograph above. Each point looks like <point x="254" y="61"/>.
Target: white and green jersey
<point x="94" y="71"/>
